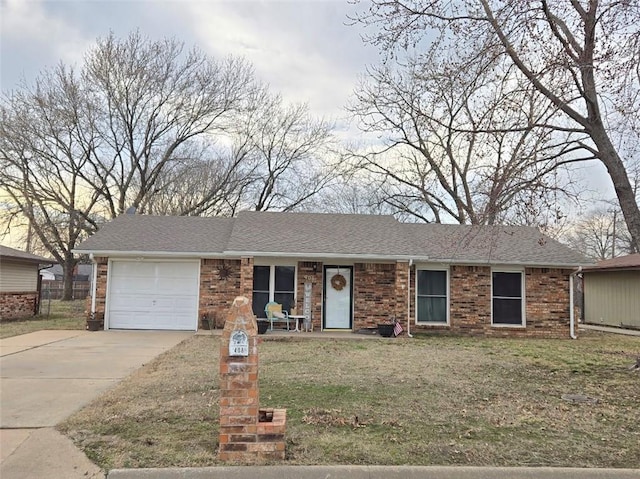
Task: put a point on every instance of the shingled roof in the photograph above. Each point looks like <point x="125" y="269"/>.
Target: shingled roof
<point x="19" y="255"/>
<point x="142" y="234"/>
<point x="319" y="234"/>
<point x="628" y="262"/>
<point x="323" y="235"/>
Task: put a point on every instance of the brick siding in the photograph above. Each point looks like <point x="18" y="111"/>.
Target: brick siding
<point x="217" y="293"/>
<point x="380" y="292"/>
<point x="306" y="274"/>
<point x="546" y="304"/>
<point x="102" y="265"/>
<point x="374" y="293"/>
<point x="17" y="305"/>
<point x="246" y="277"/>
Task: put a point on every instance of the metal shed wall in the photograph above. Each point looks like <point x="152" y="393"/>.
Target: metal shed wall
<point x="612" y="298"/>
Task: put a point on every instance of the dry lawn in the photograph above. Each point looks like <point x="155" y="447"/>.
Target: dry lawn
<point x="423" y="401"/>
<point x="55" y="315"/>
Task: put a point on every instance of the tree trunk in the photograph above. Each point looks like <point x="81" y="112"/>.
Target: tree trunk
<point x="68" y="267"/>
<point x="618" y="173"/>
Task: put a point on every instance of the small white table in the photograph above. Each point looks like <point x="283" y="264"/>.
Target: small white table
<point x="297" y="317"/>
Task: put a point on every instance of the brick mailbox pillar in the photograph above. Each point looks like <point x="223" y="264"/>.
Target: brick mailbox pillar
<point x="247" y="433"/>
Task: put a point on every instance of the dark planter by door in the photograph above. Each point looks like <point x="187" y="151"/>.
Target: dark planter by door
<point x="263" y="326"/>
<point x="385" y="330"/>
<point x="94" y="324"/>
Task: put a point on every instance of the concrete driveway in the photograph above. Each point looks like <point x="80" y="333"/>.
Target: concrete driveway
<point x="47" y="376"/>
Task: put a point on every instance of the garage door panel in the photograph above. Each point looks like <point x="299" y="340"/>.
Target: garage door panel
<point x="142" y="286"/>
<point x="175" y="285"/>
<point x="153" y="295"/>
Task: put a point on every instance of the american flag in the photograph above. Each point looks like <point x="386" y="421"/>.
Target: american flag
<point x="397" y="328"/>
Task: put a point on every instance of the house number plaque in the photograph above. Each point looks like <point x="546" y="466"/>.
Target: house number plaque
<point x="239" y="344"/>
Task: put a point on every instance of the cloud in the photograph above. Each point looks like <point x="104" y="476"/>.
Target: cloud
<point x="32" y="38"/>
<point x="302" y="49"/>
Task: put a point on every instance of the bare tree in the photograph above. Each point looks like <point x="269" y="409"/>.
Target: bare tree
<point x="157" y="100"/>
<point x="582" y="56"/>
<point x="210" y="183"/>
<point x="600" y="235"/>
<point x="449" y="151"/>
<point x="289" y="151"/>
<point x="79" y="148"/>
<point x="42" y="154"/>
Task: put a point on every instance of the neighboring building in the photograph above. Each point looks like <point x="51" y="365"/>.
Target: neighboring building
<point x="53" y="281"/>
<point x="19" y="283"/>
<point x="347" y="272"/>
<point x="612" y="292"/>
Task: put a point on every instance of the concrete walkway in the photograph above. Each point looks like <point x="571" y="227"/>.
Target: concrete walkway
<point x="48" y="375"/>
<point x="374" y="472"/>
<point x="609" y="329"/>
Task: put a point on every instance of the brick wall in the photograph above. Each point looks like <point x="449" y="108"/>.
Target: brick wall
<point x="374" y="293"/>
<point x="17" y="305"/>
<point x="546" y="304"/>
<point x="102" y="265"/>
<point x="401" y="280"/>
<point x="217" y="288"/>
<point x="470" y="301"/>
<point x="246" y="277"/>
<point x="380" y="291"/>
<point x="306" y="274"/>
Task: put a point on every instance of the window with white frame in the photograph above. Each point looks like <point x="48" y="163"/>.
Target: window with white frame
<point x="432" y="298"/>
<point x="507" y="298"/>
<point x="273" y="283"/>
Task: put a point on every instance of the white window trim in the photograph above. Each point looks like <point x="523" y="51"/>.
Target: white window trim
<point x="433" y="323"/>
<point x="523" y="297"/>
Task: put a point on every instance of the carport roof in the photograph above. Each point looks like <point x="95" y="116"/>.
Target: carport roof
<point x="325" y="235"/>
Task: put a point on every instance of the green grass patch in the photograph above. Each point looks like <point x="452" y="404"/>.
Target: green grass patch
<point x="54" y="315"/>
<point x="426" y="401"/>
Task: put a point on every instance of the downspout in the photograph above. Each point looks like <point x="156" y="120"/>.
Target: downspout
<point x="409" y="298"/>
<point x="572" y="318"/>
<point x="93" y="284"/>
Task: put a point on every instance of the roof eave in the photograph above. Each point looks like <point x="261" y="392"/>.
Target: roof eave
<point x="319" y="255"/>
<point x="530" y="264"/>
<point x="611" y="268"/>
<point x="157" y="254"/>
<point x="19" y="259"/>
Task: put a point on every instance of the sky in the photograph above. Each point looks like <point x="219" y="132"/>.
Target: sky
<point x="304" y="49"/>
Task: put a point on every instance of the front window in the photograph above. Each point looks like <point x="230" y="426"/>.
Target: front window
<point x="273" y="283"/>
<point x="507" y="298"/>
<point x="261" y="280"/>
<point x="432" y="296"/>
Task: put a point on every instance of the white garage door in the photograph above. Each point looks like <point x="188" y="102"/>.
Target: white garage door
<point x="153" y="295"/>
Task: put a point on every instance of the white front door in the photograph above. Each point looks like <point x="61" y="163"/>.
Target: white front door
<point x="337" y="297"/>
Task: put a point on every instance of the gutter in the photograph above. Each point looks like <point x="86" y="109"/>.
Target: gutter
<point x="572" y="316"/>
<point x="240" y="254"/>
<point x="409" y="298"/>
<point x="94" y="281"/>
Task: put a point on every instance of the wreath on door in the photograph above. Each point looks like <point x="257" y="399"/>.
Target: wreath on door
<point x="338" y="282"/>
